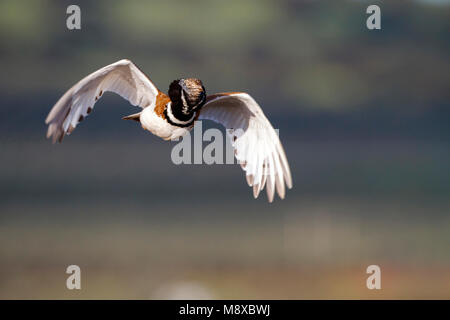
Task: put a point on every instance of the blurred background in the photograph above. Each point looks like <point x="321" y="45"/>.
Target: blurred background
<point x="363" y="116"/>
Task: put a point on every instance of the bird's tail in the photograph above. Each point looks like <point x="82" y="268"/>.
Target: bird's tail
<point x="134" y="117"/>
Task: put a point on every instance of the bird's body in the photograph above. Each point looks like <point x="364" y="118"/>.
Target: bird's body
<point x="257" y="146"/>
<point x="152" y="118"/>
<point x="158" y="125"/>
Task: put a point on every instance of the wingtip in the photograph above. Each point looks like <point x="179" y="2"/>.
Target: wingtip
<point x="270" y="195"/>
<point x="48" y="119"/>
<point x="256" y="190"/>
<point x="249" y="180"/>
<point x="289" y="183"/>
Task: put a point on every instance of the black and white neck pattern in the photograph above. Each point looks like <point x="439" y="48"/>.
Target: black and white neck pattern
<point x="176" y="117"/>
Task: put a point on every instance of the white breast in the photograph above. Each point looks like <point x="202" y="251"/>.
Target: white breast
<point x="159" y="126"/>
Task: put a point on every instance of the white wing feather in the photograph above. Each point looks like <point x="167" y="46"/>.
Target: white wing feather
<point x="257" y="146"/>
<point x="122" y="77"/>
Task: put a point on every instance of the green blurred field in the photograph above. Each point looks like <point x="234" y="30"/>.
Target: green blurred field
<point x="305" y="252"/>
<point x="162" y="236"/>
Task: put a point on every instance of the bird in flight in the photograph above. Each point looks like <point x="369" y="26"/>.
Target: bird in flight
<point x="256" y="144"/>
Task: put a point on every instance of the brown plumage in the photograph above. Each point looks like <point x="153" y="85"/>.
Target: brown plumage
<point x="161" y="101"/>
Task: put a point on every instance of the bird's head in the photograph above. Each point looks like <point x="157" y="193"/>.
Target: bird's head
<point x="188" y="93"/>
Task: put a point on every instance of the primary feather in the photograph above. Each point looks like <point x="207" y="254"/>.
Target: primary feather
<point x="257" y="146"/>
<point x="122" y="77"/>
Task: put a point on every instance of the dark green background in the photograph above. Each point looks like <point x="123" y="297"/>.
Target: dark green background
<point x="363" y="116"/>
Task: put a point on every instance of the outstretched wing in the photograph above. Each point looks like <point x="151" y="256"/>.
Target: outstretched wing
<point x="122" y="77"/>
<point x="256" y="144"/>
